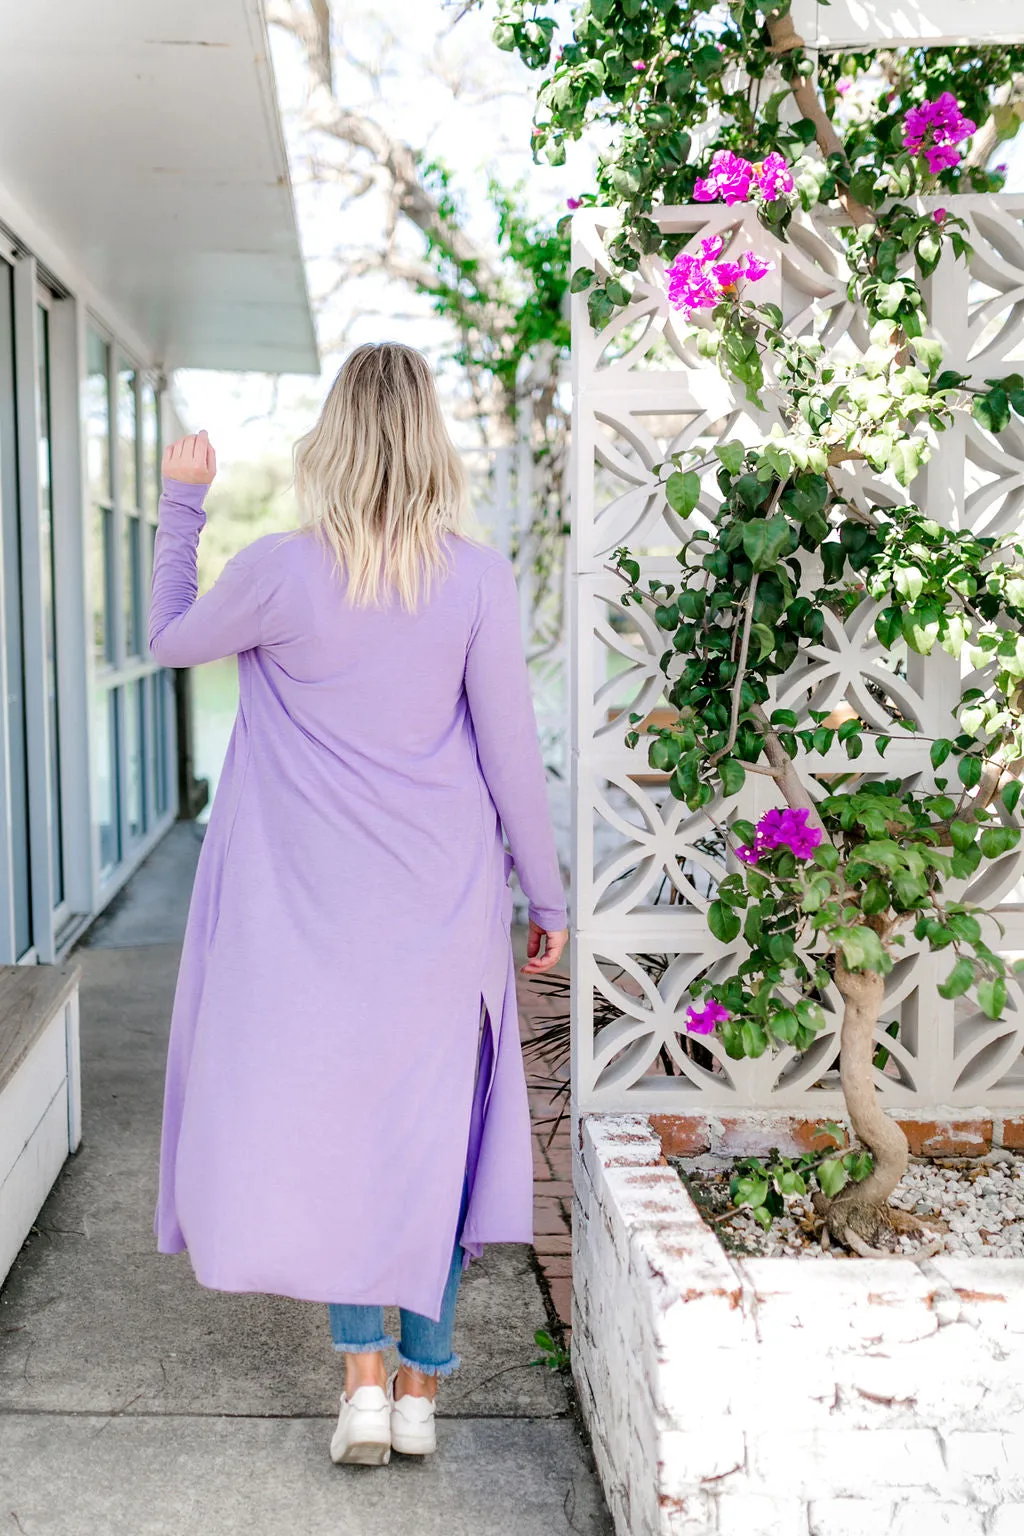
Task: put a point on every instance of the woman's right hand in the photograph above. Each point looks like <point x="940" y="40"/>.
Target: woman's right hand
<point x="191" y="460"/>
<point x="554" y="944"/>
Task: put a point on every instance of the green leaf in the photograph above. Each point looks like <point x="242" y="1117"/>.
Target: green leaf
<point x="1010" y="794"/>
<point x="968" y="771"/>
<point x="748" y="1190"/>
<point x="723" y="922"/>
<point x="732" y="774"/>
<point x="992" y="997"/>
<point x="858" y="1165"/>
<point x="599" y="307"/>
<point x="962" y="834"/>
<point x="908" y="454"/>
<point x="682" y="491"/>
<point x="784" y="1024"/>
<point x="875" y="897"/>
<point x="755" y="1041"/>
<point x="908" y="582"/>
<point x="581" y="279"/>
<point x="940" y="751"/>
<point x="832" y="1176"/>
<point x="764" y="542"/>
<point x="731" y="456"/>
<point x="958" y="980"/>
<point x="992" y="410"/>
<point x="920" y="627"/>
<point x="663" y="754"/>
<point x="998" y="840"/>
<point x="863" y="950"/>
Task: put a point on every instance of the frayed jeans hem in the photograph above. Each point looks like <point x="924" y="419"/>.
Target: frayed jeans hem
<point x="444" y="1369"/>
<point x="375" y="1346"/>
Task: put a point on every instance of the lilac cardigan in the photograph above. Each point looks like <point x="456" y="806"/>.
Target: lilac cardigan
<point x="350" y="912"/>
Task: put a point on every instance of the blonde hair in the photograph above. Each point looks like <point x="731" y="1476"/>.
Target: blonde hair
<point x="378" y="478"/>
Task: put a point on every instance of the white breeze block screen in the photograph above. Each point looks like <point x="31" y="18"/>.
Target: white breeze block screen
<point x="645" y="868"/>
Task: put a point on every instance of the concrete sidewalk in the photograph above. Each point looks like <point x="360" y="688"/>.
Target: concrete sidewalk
<point x="132" y="1401"/>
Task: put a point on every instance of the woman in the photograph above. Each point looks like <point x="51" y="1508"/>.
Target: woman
<point x="345" y="1113"/>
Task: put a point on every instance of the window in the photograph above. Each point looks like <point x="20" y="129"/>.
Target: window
<point x="13" y="637"/>
<point x="108" y="810"/>
<point x="132" y="717"/>
<point x="132" y="565"/>
<point x="151" y="448"/>
<point x="49" y="585"/>
<point x="127" y="433"/>
<point x="101" y="491"/>
<point x="160" y="683"/>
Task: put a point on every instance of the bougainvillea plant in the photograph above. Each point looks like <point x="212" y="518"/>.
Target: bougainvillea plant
<point x="700" y="102"/>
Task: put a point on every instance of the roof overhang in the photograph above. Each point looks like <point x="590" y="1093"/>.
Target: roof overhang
<point x="145" y="136"/>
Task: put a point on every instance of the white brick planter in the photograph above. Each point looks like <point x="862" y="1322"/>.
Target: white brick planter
<point x="780" y="1397"/>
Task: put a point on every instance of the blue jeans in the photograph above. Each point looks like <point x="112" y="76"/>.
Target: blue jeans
<point x="424" y="1345"/>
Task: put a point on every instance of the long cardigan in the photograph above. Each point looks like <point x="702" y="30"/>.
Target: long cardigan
<point x="328" y="1082"/>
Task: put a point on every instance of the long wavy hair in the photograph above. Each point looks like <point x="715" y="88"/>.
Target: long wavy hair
<point x="378" y="478"/>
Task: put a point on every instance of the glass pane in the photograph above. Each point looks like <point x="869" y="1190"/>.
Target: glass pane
<point x="10" y="527"/>
<point x="161" y="688"/>
<point x="150" y="448"/>
<point x="96" y="410"/>
<point x="127" y="432"/>
<point x="102" y="582"/>
<point x="132" y="585"/>
<point x="48" y="582"/>
<point x="107" y="813"/>
<point x="133" y="738"/>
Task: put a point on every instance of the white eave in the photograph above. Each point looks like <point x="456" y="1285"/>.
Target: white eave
<point x="144" y="135"/>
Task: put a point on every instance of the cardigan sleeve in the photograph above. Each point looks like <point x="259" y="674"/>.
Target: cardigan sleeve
<point x="185" y="629"/>
<point x="501" y="708"/>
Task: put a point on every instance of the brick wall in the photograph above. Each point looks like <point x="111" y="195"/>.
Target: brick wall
<point x="780" y="1397"/>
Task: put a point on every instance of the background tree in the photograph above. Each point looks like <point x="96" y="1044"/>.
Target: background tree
<point x="501" y="292"/>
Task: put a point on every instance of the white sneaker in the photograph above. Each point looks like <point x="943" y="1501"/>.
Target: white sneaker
<point x="363" y="1435"/>
<point x="412" y="1423"/>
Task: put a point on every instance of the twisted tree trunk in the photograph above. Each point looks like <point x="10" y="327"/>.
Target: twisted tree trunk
<point x="860" y="1209"/>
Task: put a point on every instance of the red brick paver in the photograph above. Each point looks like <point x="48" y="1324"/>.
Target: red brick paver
<point x="552" y="1159"/>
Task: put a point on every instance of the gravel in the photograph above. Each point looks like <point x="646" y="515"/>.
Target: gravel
<point x="974" y="1205"/>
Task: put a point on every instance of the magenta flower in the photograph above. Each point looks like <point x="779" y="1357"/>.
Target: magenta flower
<point x="782" y="829"/>
<point x="755" y="267"/>
<point x="692" y="286"/>
<point x="728" y="273"/>
<point x="728" y="179"/>
<point x="774" y="177"/>
<point x="940" y="216"/>
<point x="843" y="85"/>
<point x="574" y="203"/>
<point x="933" y="129"/>
<point x="702" y="1021"/>
<point x="941" y="157"/>
<point x="639" y="65"/>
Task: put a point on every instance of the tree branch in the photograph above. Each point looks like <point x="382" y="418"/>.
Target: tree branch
<point x="786" y="39"/>
<point x="737" y="686"/>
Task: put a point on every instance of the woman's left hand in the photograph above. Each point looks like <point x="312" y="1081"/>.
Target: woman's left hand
<point x="190" y="459"/>
<point x="554" y="943"/>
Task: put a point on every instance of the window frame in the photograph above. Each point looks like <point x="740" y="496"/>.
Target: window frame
<point x="126" y="667"/>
